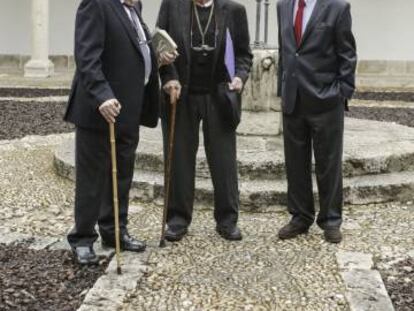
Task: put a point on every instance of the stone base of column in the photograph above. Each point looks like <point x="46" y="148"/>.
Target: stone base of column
<point x="39" y="68"/>
<point x="260" y="91"/>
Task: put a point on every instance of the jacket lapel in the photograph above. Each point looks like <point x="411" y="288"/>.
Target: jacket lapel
<point x="185" y="17"/>
<point x="122" y="15"/>
<point x="289" y="6"/>
<point x="315" y="17"/>
<point x="221" y="27"/>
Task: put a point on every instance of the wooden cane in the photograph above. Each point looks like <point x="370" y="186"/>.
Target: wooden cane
<point x="115" y="197"/>
<point x="167" y="173"/>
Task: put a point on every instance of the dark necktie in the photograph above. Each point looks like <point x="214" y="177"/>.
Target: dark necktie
<point x="142" y="40"/>
<point x="299" y="21"/>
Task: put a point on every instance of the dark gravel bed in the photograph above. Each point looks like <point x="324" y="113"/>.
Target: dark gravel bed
<point x="32" y="92"/>
<point x="43" y="280"/>
<point x="385" y="96"/>
<point x="399" y="281"/>
<point x="44" y="92"/>
<point x="403" y="116"/>
<point x="18" y="120"/>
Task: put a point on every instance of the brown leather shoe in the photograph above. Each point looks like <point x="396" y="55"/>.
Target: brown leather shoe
<point x="332" y="235"/>
<point x="292" y="230"/>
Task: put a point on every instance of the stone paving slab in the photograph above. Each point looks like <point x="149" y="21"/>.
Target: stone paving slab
<point x="366" y="291"/>
<point x="111" y="289"/>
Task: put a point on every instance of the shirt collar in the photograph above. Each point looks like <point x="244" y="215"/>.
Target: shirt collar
<point x="308" y="2"/>
<point x="122" y="1"/>
<point x="206" y="5"/>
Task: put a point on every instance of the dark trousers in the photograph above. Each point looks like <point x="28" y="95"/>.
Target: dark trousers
<point x="93" y="195"/>
<point x="220" y="147"/>
<point x="322" y="132"/>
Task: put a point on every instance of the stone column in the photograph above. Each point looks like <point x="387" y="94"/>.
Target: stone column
<point x="39" y="66"/>
<point x="261" y="89"/>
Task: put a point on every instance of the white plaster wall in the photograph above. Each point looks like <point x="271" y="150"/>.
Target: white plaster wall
<point x="15" y="31"/>
<point x="383" y="28"/>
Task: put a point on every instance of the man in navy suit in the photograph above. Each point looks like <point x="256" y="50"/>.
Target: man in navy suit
<point x="317" y="61"/>
<point x="116" y="81"/>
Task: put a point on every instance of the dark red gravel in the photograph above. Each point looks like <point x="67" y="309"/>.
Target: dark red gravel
<point x="19" y="119"/>
<point x="32" y="92"/>
<point x="399" y="281"/>
<point x="403" y="116"/>
<point x="42" y="280"/>
<point x="386" y="96"/>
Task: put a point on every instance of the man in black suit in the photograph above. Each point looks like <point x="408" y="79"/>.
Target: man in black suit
<point x="317" y="61"/>
<point x="116" y="81"/>
<point x="201" y="29"/>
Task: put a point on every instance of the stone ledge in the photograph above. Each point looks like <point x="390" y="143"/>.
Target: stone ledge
<point x="365" y="289"/>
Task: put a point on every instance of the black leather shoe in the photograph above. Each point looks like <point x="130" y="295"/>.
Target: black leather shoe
<point x="292" y="230"/>
<point x="332" y="235"/>
<point x="128" y="243"/>
<point x="231" y="234"/>
<point x="175" y="235"/>
<point x="85" y="255"/>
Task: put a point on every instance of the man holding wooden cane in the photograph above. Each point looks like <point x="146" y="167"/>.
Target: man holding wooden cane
<point x="215" y="60"/>
<point x="116" y="82"/>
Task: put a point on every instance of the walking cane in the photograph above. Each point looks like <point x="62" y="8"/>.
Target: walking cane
<point x="115" y="197"/>
<point x="167" y="175"/>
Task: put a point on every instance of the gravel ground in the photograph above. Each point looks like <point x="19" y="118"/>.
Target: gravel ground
<point x="205" y="272"/>
<point x="31" y="118"/>
<point x="33" y="199"/>
<point x="399" y="280"/>
<point x="41" y="280"/>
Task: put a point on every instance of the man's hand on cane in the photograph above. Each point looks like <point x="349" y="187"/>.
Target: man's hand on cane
<point x="173" y="87"/>
<point x="110" y="110"/>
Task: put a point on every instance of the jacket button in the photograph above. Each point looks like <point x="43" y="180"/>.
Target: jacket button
<point x="297" y="54"/>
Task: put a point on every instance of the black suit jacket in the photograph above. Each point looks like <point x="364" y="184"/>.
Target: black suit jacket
<point x="322" y="68"/>
<point x="175" y="18"/>
<point x="109" y="64"/>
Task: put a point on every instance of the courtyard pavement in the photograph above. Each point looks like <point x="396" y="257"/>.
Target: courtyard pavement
<point x="204" y="272"/>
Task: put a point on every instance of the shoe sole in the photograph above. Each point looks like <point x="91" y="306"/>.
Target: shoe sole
<point x="87" y="264"/>
<point x="228" y="238"/>
<point x="293" y="235"/>
<point x="170" y="238"/>
<point x="333" y="241"/>
<point x="105" y="246"/>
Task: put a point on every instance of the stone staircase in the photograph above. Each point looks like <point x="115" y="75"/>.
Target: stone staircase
<point x="378" y="164"/>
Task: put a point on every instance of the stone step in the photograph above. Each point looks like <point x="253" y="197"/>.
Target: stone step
<point x="378" y="164"/>
<point x="148" y="186"/>
<point x="370" y="148"/>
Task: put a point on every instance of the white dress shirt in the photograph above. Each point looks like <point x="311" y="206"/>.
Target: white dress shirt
<point x="135" y="18"/>
<point x="205" y="5"/>
<point x="307" y="12"/>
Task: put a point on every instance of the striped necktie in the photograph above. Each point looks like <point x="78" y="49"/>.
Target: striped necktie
<point x="145" y="50"/>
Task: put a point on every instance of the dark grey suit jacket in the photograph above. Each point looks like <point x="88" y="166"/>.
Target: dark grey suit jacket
<point x="175" y="18"/>
<point x="109" y="64"/>
<point x="322" y="68"/>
